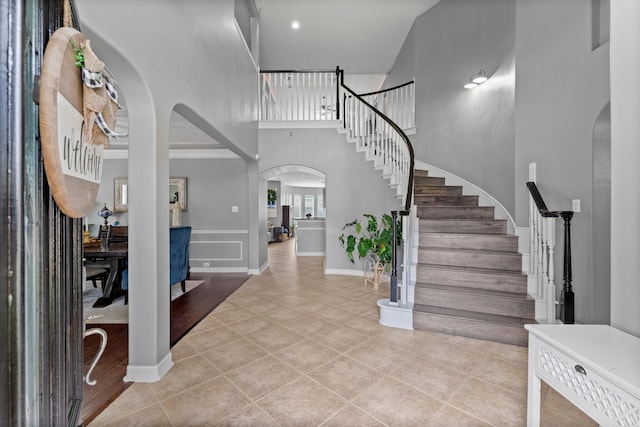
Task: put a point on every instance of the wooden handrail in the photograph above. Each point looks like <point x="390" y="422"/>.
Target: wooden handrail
<point x="540" y="204"/>
<point x="388" y="89"/>
<point x="405" y="138"/>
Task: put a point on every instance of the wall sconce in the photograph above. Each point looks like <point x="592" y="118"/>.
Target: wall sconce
<point x="476" y="80"/>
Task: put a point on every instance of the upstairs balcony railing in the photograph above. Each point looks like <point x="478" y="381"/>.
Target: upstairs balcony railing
<point x="298" y="95"/>
<point x="292" y="95"/>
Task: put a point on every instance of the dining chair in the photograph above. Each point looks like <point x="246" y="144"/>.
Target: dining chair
<point x="118" y="233"/>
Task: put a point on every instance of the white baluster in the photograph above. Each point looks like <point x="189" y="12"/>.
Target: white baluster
<point x="551" y="287"/>
<point x="541" y="256"/>
<point x="532" y="258"/>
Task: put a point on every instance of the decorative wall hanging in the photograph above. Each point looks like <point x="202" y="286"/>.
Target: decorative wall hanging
<point x="272" y="197"/>
<point x="77" y="115"/>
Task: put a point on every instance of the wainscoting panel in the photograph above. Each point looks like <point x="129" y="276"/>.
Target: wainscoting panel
<point x="218" y="251"/>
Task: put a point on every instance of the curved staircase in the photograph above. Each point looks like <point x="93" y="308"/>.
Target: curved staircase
<point x="469" y="279"/>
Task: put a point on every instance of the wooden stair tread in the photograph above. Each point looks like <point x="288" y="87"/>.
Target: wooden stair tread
<point x="476" y="291"/>
<point x="473" y="269"/>
<point x="469" y="251"/>
<point x="472" y="315"/>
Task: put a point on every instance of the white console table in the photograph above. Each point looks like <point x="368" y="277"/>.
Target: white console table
<point x="596" y="367"/>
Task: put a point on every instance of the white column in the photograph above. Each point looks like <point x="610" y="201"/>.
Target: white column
<point x="149" y="301"/>
<point x="257" y="218"/>
<point x="625" y="173"/>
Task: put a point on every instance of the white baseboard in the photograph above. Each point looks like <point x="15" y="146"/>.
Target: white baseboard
<point x="343" y="272"/>
<point x="149" y="374"/>
<point x="310" y="253"/>
<point x="219" y="270"/>
<point x="254" y="272"/>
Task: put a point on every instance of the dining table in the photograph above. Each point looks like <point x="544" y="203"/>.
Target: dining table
<point x="112" y="255"/>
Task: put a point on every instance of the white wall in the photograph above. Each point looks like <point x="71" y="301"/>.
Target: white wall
<point x="196" y="59"/>
<point x="625" y="179"/>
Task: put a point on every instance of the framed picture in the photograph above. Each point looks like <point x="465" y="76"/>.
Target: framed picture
<point x="177" y="193"/>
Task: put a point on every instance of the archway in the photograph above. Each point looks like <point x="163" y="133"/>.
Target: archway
<point x="299" y="207"/>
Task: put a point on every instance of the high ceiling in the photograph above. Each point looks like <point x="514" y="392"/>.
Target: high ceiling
<point x="360" y="36"/>
<point x="363" y="37"/>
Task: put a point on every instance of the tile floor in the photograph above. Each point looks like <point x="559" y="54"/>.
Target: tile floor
<point x="293" y="347"/>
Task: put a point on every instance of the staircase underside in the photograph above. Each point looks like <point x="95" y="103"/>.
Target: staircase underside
<point x="469" y="278"/>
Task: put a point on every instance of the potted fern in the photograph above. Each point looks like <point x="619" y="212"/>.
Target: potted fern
<point x="374" y="242"/>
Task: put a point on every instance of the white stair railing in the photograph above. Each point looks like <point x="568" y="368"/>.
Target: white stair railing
<point x="397" y="103"/>
<point x="298" y="95"/>
<point x="542" y="243"/>
<point x="381" y="143"/>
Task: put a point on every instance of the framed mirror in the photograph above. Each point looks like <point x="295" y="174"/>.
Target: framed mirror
<point x="120" y="194"/>
<point x="177" y="193"/>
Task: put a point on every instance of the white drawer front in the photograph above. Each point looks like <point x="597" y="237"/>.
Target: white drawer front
<point x="596" y="396"/>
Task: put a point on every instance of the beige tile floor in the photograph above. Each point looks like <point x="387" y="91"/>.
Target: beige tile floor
<point x="293" y="347"/>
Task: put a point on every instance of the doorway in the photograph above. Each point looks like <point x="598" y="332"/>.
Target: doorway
<point x="296" y="203"/>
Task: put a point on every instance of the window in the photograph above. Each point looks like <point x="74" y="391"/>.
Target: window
<point x="321" y="211"/>
<point x="297" y="206"/>
<point x="309" y="201"/>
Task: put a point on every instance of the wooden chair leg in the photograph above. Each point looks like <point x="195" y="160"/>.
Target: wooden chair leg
<point x="183" y="286"/>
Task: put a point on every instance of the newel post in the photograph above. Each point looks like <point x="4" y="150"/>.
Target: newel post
<point x="393" y="281"/>
<point x="567" y="314"/>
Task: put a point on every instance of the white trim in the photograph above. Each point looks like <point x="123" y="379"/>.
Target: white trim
<point x="523" y="239"/>
<point x="246" y="45"/>
<point x="310" y="253"/>
<point x="217" y="242"/>
<point x="219" y="232"/>
<point x="149" y="374"/>
<point x="182" y="153"/>
<point x="395" y="316"/>
<point x="262" y="268"/>
<point x="343" y="272"/>
<point x="298" y="124"/>
<point x="310" y="228"/>
<point x="219" y="270"/>
<point x="485" y="199"/>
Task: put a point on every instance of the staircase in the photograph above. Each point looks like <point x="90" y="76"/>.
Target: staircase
<point x="469" y="274"/>
<point x="469" y="279"/>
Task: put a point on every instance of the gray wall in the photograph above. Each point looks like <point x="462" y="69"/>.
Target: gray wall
<point x="219" y="236"/>
<point x="562" y="86"/>
<point x="545" y="91"/>
<point x="467" y="132"/>
<point x="353" y="187"/>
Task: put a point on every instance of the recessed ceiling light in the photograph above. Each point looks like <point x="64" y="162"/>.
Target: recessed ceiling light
<point x="295" y="25"/>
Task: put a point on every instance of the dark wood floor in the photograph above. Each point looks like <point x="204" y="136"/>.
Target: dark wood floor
<point x="186" y="311"/>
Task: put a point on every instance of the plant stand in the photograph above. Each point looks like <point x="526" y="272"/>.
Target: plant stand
<point x="373" y="272"/>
